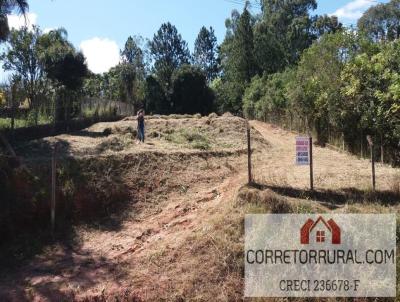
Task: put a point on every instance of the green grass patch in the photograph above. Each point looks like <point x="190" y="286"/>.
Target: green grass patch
<point x="191" y="138"/>
<point x="5" y="123"/>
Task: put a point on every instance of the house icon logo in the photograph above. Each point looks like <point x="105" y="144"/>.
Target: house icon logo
<point x="319" y="230"/>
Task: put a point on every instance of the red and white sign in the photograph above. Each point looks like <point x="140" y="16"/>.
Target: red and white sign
<point x="302" y="151"/>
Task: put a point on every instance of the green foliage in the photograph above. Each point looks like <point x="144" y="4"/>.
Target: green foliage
<point x="169" y="51"/>
<point x="375" y="99"/>
<point x="237" y="51"/>
<point x="325" y="25"/>
<point x="381" y="22"/>
<point x="205" y="53"/>
<point x="266" y="97"/>
<point x="269" y="51"/>
<point x="237" y="61"/>
<point x="228" y="95"/>
<point x="191" y="94"/>
<point x="155" y="101"/>
<point x="124" y="82"/>
<point x="22" y="57"/>
<point x="66" y="68"/>
<point x="289" y="22"/>
<point x="134" y="55"/>
<point x="266" y="44"/>
<point x="343" y="84"/>
<point x="132" y="72"/>
<point x="286" y="29"/>
<point x="6" y="8"/>
<point x="252" y="96"/>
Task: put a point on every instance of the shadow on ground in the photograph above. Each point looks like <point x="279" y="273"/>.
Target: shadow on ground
<point x="89" y="193"/>
<point x="337" y="197"/>
<point x="86" y="133"/>
<point x="59" y="276"/>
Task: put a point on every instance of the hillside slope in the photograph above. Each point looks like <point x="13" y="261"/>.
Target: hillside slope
<point x="183" y="239"/>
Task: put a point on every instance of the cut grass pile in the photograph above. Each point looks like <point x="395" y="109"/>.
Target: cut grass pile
<point x="190" y="138"/>
<point x="163" y="134"/>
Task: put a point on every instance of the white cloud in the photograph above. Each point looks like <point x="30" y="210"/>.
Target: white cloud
<point x="354" y="9"/>
<point x="101" y="54"/>
<point x="18" y="21"/>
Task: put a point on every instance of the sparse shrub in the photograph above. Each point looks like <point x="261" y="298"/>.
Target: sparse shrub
<point x="266" y="199"/>
<point x="201" y="145"/>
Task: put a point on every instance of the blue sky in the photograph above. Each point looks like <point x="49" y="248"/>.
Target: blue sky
<point x="100" y="28"/>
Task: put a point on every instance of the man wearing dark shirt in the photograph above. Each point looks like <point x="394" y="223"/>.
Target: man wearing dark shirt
<point x="140" y="128"/>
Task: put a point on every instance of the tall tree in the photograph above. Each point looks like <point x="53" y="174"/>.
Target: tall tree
<point x="66" y="68"/>
<point x="290" y="23"/>
<point x="382" y="22"/>
<point x="6" y="7"/>
<point x="169" y="51"/>
<point x="243" y="44"/>
<point x="237" y="61"/>
<point x="205" y="53"/>
<point x="132" y="70"/>
<point x="22" y="58"/>
<point x="325" y="24"/>
<point x="132" y="54"/>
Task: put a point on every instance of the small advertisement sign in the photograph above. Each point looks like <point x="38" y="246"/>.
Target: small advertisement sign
<point x="302" y="151"/>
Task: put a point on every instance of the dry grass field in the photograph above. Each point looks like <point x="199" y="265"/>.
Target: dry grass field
<point x="180" y="234"/>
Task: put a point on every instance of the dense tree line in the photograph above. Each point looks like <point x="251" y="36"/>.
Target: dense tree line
<point x="344" y="84"/>
<point x="50" y="77"/>
<point x="284" y="65"/>
<point x="162" y="76"/>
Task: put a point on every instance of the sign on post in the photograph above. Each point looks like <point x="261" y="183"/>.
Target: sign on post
<point x="302" y="151"/>
<point x="304" y="155"/>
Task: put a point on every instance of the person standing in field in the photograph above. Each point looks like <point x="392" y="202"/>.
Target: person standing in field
<point x="140" y="126"/>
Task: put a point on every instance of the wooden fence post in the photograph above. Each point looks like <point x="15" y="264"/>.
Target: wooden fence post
<point x="53" y="189"/>
<point x="371" y="144"/>
<point x="311" y="164"/>
<point x="249" y="152"/>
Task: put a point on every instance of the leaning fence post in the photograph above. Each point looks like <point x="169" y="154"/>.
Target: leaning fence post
<point x="53" y="188"/>
<point x="249" y="152"/>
